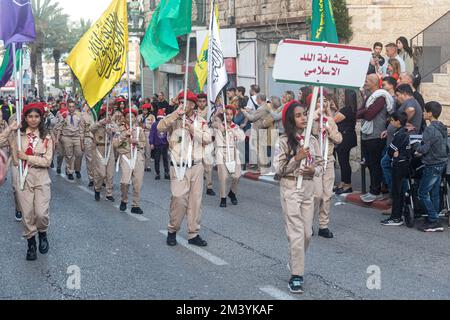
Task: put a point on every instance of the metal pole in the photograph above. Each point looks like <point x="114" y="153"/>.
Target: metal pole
<point x="18" y="112"/>
<point x="321" y="121"/>
<point x="186" y="76"/>
<point x="142" y="77"/>
<point x="129" y="91"/>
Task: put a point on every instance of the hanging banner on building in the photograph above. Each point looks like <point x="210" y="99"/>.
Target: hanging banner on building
<point x="321" y="64"/>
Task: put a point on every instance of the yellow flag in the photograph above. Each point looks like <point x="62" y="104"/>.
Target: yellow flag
<point x="201" y="67"/>
<point x="99" y="58"/>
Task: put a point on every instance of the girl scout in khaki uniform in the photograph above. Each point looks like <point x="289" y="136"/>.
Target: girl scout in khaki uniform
<point x="297" y="205"/>
<point x="103" y="154"/>
<point x="146" y="120"/>
<point x="130" y="146"/>
<point x="33" y="194"/>
<point x="227" y="155"/>
<point x="324" y="184"/>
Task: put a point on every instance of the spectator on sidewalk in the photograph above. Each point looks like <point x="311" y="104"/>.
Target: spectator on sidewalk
<point x="242" y="98"/>
<point x="393" y="68"/>
<point x="391" y="52"/>
<point x="374" y="116"/>
<point x="398" y="151"/>
<point x="240" y="120"/>
<point x="405" y="52"/>
<point x="346" y="122"/>
<point x="252" y="104"/>
<point x="232" y="97"/>
<point x="434" y="157"/>
<point x="303" y="94"/>
<point x="287" y="97"/>
<point x="377" y="60"/>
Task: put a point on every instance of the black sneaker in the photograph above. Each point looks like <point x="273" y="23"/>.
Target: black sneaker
<point x="171" y="239"/>
<point x="343" y="191"/>
<point x="137" y="210"/>
<point x="78" y="174"/>
<point x="58" y="171"/>
<point x="18" y="215"/>
<point x="198" y="241"/>
<point x="70" y="176"/>
<point x="392" y="222"/>
<point x="31" y="252"/>
<point x="167" y="176"/>
<point x="43" y="242"/>
<point x="223" y="202"/>
<point x="91" y="184"/>
<point x="210" y="192"/>
<point x="97" y="196"/>
<point x="110" y="198"/>
<point x="296" y="284"/>
<point x="233" y="198"/>
<point x="148" y="170"/>
<point x="428" y="226"/>
<point x="326" y="233"/>
<point x="123" y="206"/>
<point x="52" y="165"/>
<point x="157" y="177"/>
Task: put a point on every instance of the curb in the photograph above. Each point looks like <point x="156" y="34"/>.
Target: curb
<point x="353" y="198"/>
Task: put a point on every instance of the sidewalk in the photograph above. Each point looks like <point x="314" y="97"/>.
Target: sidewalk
<point x="351" y="198"/>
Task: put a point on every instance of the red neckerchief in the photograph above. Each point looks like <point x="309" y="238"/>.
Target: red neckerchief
<point x="30" y="148"/>
<point x="324" y="130"/>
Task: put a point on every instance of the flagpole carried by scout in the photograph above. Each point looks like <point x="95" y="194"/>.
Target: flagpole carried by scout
<point x="181" y="169"/>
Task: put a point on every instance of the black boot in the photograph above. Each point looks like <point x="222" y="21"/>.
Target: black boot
<point x="233" y="197"/>
<point x="78" y="174"/>
<point x="97" y="196"/>
<point x="326" y="233"/>
<point x="91" y="184"/>
<point x="137" y="210"/>
<point x="123" y="206"/>
<point x="223" y="202"/>
<point x="110" y="198"/>
<point x="43" y="242"/>
<point x="171" y="239"/>
<point x="210" y="192"/>
<point x="31" y="252"/>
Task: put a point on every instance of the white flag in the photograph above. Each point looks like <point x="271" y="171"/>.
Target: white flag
<point x="217" y="74"/>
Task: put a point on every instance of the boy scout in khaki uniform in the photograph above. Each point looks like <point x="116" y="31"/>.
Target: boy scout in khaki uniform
<point x="228" y="153"/>
<point x="208" y="157"/>
<point x="130" y="146"/>
<point x="187" y="193"/>
<point x="146" y="119"/>
<point x="103" y="154"/>
<point x="35" y="193"/>
<point x="88" y="143"/>
<point x="297" y="205"/>
<point x="71" y="132"/>
<point x="59" y="147"/>
<point x="324" y="184"/>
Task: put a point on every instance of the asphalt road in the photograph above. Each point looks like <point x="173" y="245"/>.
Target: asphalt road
<point x="124" y="256"/>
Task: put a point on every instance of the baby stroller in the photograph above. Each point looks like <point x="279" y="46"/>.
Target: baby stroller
<point x="412" y="209"/>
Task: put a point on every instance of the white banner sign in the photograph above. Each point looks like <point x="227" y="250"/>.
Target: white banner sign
<point x="321" y="64"/>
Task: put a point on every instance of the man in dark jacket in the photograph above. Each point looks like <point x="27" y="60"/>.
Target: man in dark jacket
<point x="158" y="142"/>
<point x="7" y="109"/>
<point x="434" y="157"/>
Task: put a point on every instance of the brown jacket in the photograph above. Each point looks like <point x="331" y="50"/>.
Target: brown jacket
<point x="287" y="166"/>
<point x="173" y="125"/>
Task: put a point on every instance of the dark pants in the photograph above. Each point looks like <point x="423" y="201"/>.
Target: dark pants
<point x="400" y="172"/>
<point x="161" y="150"/>
<point x="373" y="152"/>
<point x="429" y="190"/>
<point x="247" y="150"/>
<point x="344" y="162"/>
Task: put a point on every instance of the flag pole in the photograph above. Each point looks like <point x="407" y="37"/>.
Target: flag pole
<point x="321" y="121"/>
<point x="186" y="77"/>
<point x="18" y="111"/>
<point x="129" y="90"/>
<point x="311" y="114"/>
<point x="106" y="133"/>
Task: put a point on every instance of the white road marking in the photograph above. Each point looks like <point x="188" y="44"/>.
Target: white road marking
<point x="276" y="293"/>
<point x="201" y="252"/>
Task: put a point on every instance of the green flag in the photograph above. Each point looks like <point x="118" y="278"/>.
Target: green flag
<point x="323" y="25"/>
<point x="95" y="110"/>
<point x="172" y="18"/>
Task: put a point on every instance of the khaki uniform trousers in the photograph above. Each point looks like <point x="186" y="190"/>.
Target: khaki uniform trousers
<point x="72" y="151"/>
<point x="34" y="201"/>
<point x="323" y="187"/>
<point x="148" y="151"/>
<point x="14" y="184"/>
<point x="208" y="161"/>
<point x="186" y="200"/>
<point x="134" y="177"/>
<point x="223" y="173"/>
<point x="298" y="210"/>
<point x="103" y="173"/>
<point x="60" y="154"/>
<point x="88" y="154"/>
